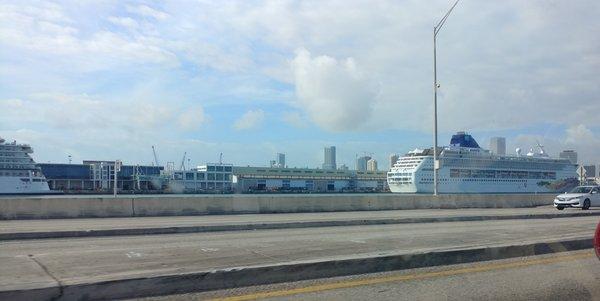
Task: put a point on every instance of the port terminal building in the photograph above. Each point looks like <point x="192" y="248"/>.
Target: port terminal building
<point x="98" y="177"/>
<point x="265" y="179"/>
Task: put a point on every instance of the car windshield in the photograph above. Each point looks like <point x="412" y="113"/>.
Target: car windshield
<point x="581" y="189"/>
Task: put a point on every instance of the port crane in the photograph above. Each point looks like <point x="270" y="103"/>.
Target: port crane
<point x="182" y="167"/>
<point x="155" y="157"/>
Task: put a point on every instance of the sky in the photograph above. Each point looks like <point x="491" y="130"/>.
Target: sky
<point x="107" y="80"/>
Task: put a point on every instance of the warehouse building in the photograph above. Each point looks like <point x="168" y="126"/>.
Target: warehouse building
<point x="209" y="178"/>
<point x="98" y="177"/>
<point x="265" y="179"/>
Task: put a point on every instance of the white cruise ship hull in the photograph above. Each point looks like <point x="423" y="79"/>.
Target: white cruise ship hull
<point x="464" y="167"/>
<point x="14" y="185"/>
<point x="522" y="186"/>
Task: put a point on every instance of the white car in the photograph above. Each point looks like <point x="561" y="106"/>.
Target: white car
<point x="582" y="197"/>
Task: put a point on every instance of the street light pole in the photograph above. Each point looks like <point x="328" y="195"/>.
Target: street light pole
<point x="436" y="163"/>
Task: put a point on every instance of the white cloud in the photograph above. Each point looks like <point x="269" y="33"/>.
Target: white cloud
<point x="124" y="21"/>
<point x="43" y="35"/>
<point x="147" y="11"/>
<point x="250" y="120"/>
<point x="507" y="65"/>
<point x="192" y="118"/>
<point x="294" y="119"/>
<point x="577" y="137"/>
<point x="335" y="94"/>
<point x="580" y="134"/>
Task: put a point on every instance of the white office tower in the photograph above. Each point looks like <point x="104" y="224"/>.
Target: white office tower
<point x="372" y="165"/>
<point x="467" y="168"/>
<point x="569" y="154"/>
<point x="393" y="159"/>
<point x="329" y="158"/>
<point x="281" y="160"/>
<point x="361" y="163"/>
<point x="498" y="145"/>
<point x="18" y="172"/>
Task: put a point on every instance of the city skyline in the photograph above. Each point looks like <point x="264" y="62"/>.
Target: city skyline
<point x="108" y="80"/>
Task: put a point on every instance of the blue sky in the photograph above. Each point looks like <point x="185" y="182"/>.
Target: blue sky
<point x="109" y="79"/>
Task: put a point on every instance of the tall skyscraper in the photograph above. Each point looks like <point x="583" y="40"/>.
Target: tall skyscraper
<point x="498" y="145"/>
<point x="329" y="158"/>
<point x="372" y="165"/>
<point x="393" y="159"/>
<point x="569" y="154"/>
<point x="590" y="171"/>
<point x="280" y="160"/>
<point x="361" y="163"/>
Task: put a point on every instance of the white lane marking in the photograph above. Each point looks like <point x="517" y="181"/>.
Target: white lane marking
<point x="209" y="249"/>
<point x="358" y="241"/>
<point x="133" y="254"/>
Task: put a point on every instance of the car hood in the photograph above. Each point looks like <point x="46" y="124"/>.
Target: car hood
<point x="570" y="195"/>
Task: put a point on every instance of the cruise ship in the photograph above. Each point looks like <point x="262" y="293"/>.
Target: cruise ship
<point x="18" y="172"/>
<point x="467" y="168"/>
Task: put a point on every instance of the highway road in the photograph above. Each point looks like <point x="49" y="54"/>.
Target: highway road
<point x="85" y="224"/>
<point x="35" y="263"/>
<point x="563" y="276"/>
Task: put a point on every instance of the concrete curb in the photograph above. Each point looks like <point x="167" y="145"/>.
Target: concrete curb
<point x="276" y="225"/>
<point x="286" y="272"/>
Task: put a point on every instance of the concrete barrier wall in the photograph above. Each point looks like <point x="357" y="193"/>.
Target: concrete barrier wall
<point x="165" y="205"/>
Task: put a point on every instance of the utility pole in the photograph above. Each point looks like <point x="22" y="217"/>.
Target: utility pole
<point x="116" y="169"/>
<point x="436" y="85"/>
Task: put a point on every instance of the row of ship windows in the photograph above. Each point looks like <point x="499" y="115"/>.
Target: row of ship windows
<point x="33" y="180"/>
<point x="427" y="181"/>
<point x="411" y="160"/>
<point x="501" y="164"/>
<point x="20" y="160"/>
<point x="400" y="179"/>
<point x="14" y="154"/>
<point x="14" y="173"/>
<point x="399" y="174"/>
<point x="430" y="181"/>
<point x="501" y="174"/>
<point x="19" y="166"/>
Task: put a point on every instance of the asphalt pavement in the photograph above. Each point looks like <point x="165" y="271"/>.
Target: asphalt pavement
<point x="46" y="262"/>
<point x="140" y="223"/>
<point x="563" y="276"/>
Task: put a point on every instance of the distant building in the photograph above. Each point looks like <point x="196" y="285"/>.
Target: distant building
<point x="372" y="165"/>
<point x="498" y="145"/>
<point x="569" y="154"/>
<point x="98" y="176"/>
<point x="298" y="180"/>
<point x="343" y="167"/>
<point x="590" y="171"/>
<point x="280" y="160"/>
<point x="272" y="163"/>
<point x="361" y="163"/>
<point x="393" y="159"/>
<point x="329" y="158"/>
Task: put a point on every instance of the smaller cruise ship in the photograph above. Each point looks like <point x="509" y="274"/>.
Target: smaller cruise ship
<point x="465" y="167"/>
<point x="19" y="174"/>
